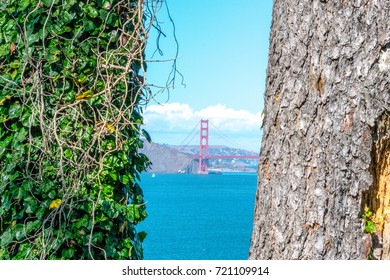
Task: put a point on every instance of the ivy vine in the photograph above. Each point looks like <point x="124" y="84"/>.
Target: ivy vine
<point x="72" y="89"/>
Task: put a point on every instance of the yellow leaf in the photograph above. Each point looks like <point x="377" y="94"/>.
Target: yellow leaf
<point x="110" y="128"/>
<point x="122" y="227"/>
<point x="56" y="77"/>
<point x="4" y="99"/>
<point x="85" y="94"/>
<point x="12" y="49"/>
<point x="55" y="204"/>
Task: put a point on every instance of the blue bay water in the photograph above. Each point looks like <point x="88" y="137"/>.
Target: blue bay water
<point x="198" y="217"/>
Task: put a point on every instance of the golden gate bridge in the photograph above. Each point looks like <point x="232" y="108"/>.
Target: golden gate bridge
<point x="204" y="155"/>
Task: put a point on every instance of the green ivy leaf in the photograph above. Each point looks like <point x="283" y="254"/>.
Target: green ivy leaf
<point x="68" y="253"/>
<point x="108" y="190"/>
<point x="32" y="225"/>
<point x="19" y="232"/>
<point x="20" y="136"/>
<point x="14" y="74"/>
<point x="27" y="119"/>
<point x="48" y="3"/>
<point x="142" y="235"/>
<point x="370" y="227"/>
<point x="91" y="11"/>
<point x="33" y="38"/>
<point x="14" y="176"/>
<point x="367" y="214"/>
<point x="30" y="205"/>
<point x="4" y="255"/>
<point x="52" y="194"/>
<point x="97" y="237"/>
<point x="4" y="50"/>
<point x="6" y="238"/>
<point x="68" y="153"/>
<point x="125" y="179"/>
<point x="69" y="3"/>
<point x="21" y="194"/>
<point x="15" y="110"/>
<point x="134" y="213"/>
<point x="23" y="4"/>
<point x="114" y="176"/>
<point x="5" y="143"/>
<point x="67" y="16"/>
<point x="146" y="135"/>
<point x="83" y="222"/>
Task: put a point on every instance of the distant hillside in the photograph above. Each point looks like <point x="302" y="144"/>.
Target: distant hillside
<point x="177" y="159"/>
<point x="168" y="160"/>
<point x="224" y="165"/>
<point x="214" y="150"/>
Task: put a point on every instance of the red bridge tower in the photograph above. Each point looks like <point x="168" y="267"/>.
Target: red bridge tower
<point x="204" y="146"/>
<point x="204" y="156"/>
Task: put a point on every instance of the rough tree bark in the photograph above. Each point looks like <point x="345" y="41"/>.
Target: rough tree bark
<point x="325" y="151"/>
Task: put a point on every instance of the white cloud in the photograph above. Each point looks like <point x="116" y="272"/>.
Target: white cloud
<point x="173" y="116"/>
<point x="171" y="123"/>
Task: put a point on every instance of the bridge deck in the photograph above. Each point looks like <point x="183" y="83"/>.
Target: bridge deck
<point x="227" y="156"/>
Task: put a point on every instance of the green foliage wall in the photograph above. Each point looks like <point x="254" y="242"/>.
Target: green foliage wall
<point x="71" y="96"/>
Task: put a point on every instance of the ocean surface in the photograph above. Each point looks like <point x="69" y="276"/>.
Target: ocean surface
<point x="198" y="217"/>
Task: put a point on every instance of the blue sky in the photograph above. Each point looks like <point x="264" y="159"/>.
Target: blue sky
<point x="223" y="51"/>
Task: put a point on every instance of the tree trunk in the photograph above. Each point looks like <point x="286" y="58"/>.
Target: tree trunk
<point x="325" y="152"/>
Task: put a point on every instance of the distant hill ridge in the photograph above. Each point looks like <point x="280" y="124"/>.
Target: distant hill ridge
<point x="178" y="159"/>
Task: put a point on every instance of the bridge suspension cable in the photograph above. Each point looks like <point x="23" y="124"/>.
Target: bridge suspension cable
<point x="192" y="134"/>
<point x="228" y="139"/>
